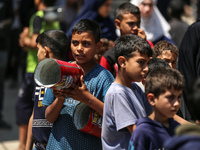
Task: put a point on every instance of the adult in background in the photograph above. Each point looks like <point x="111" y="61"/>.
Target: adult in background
<point x="152" y="22"/>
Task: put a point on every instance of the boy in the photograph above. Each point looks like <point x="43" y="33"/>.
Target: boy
<point x="50" y="44"/>
<point x="24" y="103"/>
<point x="128" y="22"/>
<point x="163" y="89"/>
<point x="188" y="136"/>
<point x="124" y="101"/>
<point x="84" y="44"/>
<point x="166" y="51"/>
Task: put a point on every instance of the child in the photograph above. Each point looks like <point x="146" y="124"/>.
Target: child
<point x="125" y="102"/>
<point x="188" y="136"/>
<point x="24" y="103"/>
<point x="163" y="89"/>
<point x="128" y="22"/>
<point x="166" y="51"/>
<point x="84" y="44"/>
<point x="153" y="63"/>
<point x="50" y="44"/>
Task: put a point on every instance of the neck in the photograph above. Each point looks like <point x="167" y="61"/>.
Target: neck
<point x="161" y="119"/>
<point x="121" y="79"/>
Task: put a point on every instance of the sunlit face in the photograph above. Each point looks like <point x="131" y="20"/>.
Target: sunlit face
<point x="146" y="8"/>
<point x="104" y="10"/>
<point x="169" y="58"/>
<point x="168" y="103"/>
<point x="136" y="67"/>
<point x="41" y="52"/>
<point x="129" y="24"/>
<point x="83" y="46"/>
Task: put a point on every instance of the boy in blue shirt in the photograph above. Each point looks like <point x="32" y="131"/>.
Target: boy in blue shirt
<point x="163" y="89"/>
<point x="64" y="135"/>
<point x="50" y="44"/>
<point x="125" y="102"/>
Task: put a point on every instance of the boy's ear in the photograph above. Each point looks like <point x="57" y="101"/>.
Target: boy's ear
<point x="117" y="23"/>
<point x="47" y="51"/>
<point x="122" y="61"/>
<point x="99" y="44"/>
<point x="151" y="99"/>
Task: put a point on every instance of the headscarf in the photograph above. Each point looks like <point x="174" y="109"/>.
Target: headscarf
<point x="154" y="26"/>
<point x="90" y="11"/>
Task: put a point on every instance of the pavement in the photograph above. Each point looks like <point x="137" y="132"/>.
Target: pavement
<point x="9" y="138"/>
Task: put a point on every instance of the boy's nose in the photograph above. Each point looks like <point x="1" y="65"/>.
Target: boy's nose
<point x="80" y="47"/>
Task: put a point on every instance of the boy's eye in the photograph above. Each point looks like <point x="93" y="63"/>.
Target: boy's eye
<point x="74" y="42"/>
<point x="140" y="62"/>
<point x="86" y="43"/>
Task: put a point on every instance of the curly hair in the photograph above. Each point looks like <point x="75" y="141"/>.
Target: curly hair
<point x="162" y="46"/>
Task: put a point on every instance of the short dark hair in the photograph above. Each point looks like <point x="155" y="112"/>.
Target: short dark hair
<point x="126" y="8"/>
<point x="127" y="44"/>
<point x="56" y="40"/>
<point x="49" y="2"/>
<point x="87" y="25"/>
<point x="156" y="63"/>
<point x="194" y="99"/>
<point x="160" y="79"/>
<point x="163" y="45"/>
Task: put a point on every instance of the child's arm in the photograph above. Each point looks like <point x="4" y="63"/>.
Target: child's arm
<point x="131" y="128"/>
<point x="53" y="111"/>
<point x="82" y="94"/>
<point x="29" y="141"/>
<point x="180" y="120"/>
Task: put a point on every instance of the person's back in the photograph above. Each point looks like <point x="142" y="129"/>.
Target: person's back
<point x="188" y="136"/>
<point x="125" y="102"/>
<point x="163" y="89"/>
<point x="128" y="22"/>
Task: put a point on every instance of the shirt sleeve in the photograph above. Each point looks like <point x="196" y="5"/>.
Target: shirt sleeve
<point x="48" y="98"/>
<point x="123" y="113"/>
<point x="37" y="24"/>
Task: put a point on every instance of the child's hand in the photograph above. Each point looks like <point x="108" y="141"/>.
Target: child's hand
<point x="141" y="33"/>
<point x="78" y="93"/>
<point x="58" y="94"/>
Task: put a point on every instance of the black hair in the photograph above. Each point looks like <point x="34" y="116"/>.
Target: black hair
<point x="87" y="25"/>
<point x="156" y="63"/>
<point x="56" y="40"/>
<point x="126" y="8"/>
<point x="127" y="44"/>
<point x="49" y="3"/>
<point x="160" y="79"/>
<point x="176" y="8"/>
<point x="194" y="99"/>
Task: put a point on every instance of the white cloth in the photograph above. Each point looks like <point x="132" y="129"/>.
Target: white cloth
<point x="154" y="26"/>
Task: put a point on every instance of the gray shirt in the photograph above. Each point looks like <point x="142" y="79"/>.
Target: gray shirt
<point x="123" y="106"/>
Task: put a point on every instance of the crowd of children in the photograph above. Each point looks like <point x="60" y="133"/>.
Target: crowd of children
<point x="131" y="83"/>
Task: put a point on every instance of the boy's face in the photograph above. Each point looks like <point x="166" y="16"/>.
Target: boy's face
<point x="129" y="24"/>
<point x="136" y="67"/>
<point x="84" y="47"/>
<point x="169" y="57"/>
<point x="168" y="103"/>
<point x="146" y="8"/>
